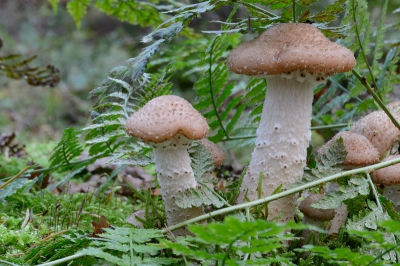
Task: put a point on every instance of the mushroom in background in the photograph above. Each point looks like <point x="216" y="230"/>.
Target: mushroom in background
<point x="389" y="177"/>
<point x="169" y="124"/>
<point x="314" y="216"/>
<point x="293" y="58"/>
<point x="218" y="157"/>
<point x="379" y="130"/>
<point x="360" y="152"/>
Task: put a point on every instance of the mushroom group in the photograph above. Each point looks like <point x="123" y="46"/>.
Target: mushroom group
<point x="169" y="124"/>
<point x="293" y="58"/>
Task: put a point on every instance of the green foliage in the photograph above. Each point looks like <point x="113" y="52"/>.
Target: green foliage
<point x="335" y="154"/>
<point x="379" y="249"/>
<point x="197" y="197"/>
<point x="202" y="161"/>
<point x="134" y="12"/>
<point x="67" y="149"/>
<point x="60" y="247"/>
<point x="128" y="246"/>
<point x="236" y="242"/>
<point x="13" y="241"/>
<point x="355" y="187"/>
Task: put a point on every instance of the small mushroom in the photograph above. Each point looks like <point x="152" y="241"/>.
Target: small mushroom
<point x="293" y="58"/>
<point x="169" y="124"/>
<point x="389" y="177"/>
<point x="379" y="130"/>
<point x="314" y="216"/>
<point x="360" y="152"/>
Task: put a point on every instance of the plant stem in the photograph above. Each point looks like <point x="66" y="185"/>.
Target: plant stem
<point x="378" y="202"/>
<point x="376" y="98"/>
<point x="284" y="193"/>
<point x="294" y="10"/>
<point x="361" y="46"/>
<point x="15" y="177"/>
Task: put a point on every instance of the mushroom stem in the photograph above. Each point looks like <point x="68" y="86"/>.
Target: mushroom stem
<point x="175" y="174"/>
<point x="282" y="140"/>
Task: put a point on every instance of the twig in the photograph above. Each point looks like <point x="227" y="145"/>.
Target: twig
<point x="376" y="98"/>
<point x="15" y="177"/>
<point x="284" y="193"/>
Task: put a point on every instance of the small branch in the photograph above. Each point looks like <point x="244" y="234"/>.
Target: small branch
<point x="210" y="84"/>
<point x="15" y="177"/>
<point x="376" y="98"/>
<point x="250" y="204"/>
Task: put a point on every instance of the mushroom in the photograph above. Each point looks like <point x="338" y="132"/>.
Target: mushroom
<point x="294" y="58"/>
<point x="217" y="155"/>
<point x="379" y="130"/>
<point x="390" y="178"/>
<point x="169" y="124"/>
<point x="360" y="152"/>
<point x="314" y="216"/>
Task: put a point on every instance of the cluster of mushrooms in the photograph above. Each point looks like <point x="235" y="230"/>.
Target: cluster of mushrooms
<point x="293" y="58"/>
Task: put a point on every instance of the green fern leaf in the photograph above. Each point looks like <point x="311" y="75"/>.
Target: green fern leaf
<point x="331" y="12"/>
<point x="12" y="188"/>
<point x="358" y="186"/>
<point x="202" y="161"/>
<point x="335" y="154"/>
<point x="196" y="197"/>
<point x="67" y="149"/>
<point x="368" y="219"/>
<point x="77" y="9"/>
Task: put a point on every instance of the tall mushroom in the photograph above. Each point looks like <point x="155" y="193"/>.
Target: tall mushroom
<point x="293" y="58"/>
<point x="169" y="124"/>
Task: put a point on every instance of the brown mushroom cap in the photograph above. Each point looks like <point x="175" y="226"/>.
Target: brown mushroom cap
<point x="378" y="129"/>
<point x="164" y="117"/>
<point x="360" y="152"/>
<point x="393" y="105"/>
<point x="388" y="175"/>
<point x="284" y="48"/>
<point x="217" y="154"/>
<point x="316" y="214"/>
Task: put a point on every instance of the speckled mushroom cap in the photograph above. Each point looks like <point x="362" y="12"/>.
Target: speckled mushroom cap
<point x="284" y="48"/>
<point x="393" y="105"/>
<point x="388" y="175"/>
<point x="316" y="214"/>
<point x="360" y="152"/>
<point x="378" y="129"/>
<point x="217" y="154"/>
<point x="164" y="117"/>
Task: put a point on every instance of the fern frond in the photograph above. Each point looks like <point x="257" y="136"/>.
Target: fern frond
<point x="67" y="149"/>
<point x="77" y="9"/>
<point x="129" y="246"/>
<point x="357" y="186"/>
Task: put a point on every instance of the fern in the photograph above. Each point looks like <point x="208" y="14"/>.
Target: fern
<point x="128" y="246"/>
<point x="357" y="186"/>
<point x="334" y="155"/>
<point x="67" y="149"/>
<point x="236" y="242"/>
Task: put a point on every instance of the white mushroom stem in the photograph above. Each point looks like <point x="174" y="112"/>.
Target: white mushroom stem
<point x="282" y="140"/>
<point x="175" y="175"/>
